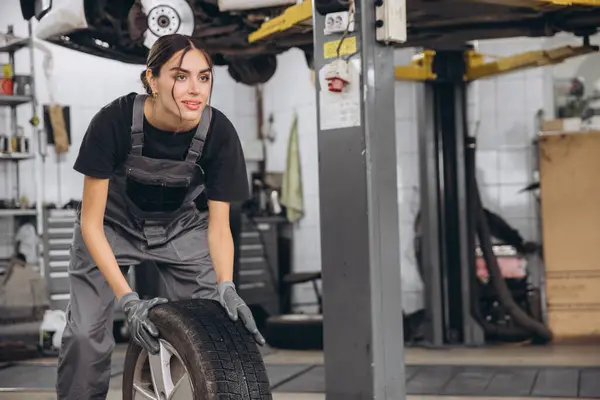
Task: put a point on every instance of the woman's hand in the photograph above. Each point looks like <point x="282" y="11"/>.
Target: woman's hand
<point x="142" y="330"/>
<point x="236" y="307"/>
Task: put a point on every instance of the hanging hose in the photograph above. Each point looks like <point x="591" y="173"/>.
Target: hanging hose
<point x="505" y="332"/>
<point x="498" y="283"/>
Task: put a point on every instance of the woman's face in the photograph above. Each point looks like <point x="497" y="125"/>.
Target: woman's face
<point x="190" y="84"/>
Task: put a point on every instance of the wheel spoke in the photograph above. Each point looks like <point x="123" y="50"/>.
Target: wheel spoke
<point x="141" y="392"/>
<point x="160" y="369"/>
<point x="182" y="390"/>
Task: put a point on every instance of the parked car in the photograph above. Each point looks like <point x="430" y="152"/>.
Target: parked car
<point x="125" y="29"/>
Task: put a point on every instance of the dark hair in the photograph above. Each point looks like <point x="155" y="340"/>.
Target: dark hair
<point x="163" y="49"/>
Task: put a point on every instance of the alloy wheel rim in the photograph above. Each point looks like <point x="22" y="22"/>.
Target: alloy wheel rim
<point x="162" y="376"/>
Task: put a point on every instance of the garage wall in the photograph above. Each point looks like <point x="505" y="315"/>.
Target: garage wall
<point x="86" y="83"/>
<point x="502" y="116"/>
<point x="504" y="119"/>
<point x="291" y="92"/>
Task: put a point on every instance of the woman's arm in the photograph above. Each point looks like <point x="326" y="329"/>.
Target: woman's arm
<point x="220" y="240"/>
<point x="95" y="192"/>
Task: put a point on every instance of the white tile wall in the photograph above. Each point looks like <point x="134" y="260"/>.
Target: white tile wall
<point x="506" y="116"/>
<point x="408" y="184"/>
<point x="291" y="91"/>
<point x="86" y="83"/>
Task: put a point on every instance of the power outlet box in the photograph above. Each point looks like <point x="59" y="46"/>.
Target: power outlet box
<point x="337" y="22"/>
<point x="390" y="21"/>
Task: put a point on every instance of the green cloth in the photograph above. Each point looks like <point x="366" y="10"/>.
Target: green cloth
<point x="291" y="190"/>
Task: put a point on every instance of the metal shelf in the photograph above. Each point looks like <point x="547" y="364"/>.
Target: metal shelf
<point x="16" y="156"/>
<point x="14" y="100"/>
<point x="14" y="45"/>
<point x="11" y="160"/>
<point x="17" y="212"/>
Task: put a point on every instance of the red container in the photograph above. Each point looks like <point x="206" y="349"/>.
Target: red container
<point x="6" y="86"/>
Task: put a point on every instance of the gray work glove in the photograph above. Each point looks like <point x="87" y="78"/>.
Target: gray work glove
<point x="142" y="330"/>
<point x="235" y="306"/>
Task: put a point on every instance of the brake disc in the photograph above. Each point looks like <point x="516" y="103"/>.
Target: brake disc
<point x="166" y="17"/>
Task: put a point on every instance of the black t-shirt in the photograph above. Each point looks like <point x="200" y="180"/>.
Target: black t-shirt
<point x="107" y="143"/>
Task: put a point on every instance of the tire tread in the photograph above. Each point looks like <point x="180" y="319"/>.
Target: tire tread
<point x="235" y="351"/>
<point x="224" y="350"/>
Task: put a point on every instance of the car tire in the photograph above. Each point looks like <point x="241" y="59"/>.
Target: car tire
<point x="27" y="9"/>
<point x="295" y="332"/>
<point x="252" y="70"/>
<point x="204" y="350"/>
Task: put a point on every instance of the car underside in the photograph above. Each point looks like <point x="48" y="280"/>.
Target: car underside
<point x="117" y="29"/>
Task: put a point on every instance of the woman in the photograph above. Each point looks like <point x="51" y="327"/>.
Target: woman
<point x="160" y="171"/>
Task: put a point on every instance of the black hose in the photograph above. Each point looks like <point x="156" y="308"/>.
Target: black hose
<point x="506" y="333"/>
<point x="475" y="292"/>
<point x="498" y="283"/>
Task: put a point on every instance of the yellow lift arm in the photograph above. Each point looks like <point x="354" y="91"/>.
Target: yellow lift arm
<point x="477" y="68"/>
<point x="292" y="16"/>
<point x="421" y="68"/>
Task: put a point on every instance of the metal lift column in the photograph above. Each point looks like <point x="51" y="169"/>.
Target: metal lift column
<point x="448" y="249"/>
<point x="363" y="337"/>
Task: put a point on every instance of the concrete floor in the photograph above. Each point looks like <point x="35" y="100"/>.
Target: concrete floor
<point x="116" y="395"/>
<point x="564" y="355"/>
<point x="517" y="354"/>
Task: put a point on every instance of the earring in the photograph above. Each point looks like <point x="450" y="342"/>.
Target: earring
<point x="154" y="95"/>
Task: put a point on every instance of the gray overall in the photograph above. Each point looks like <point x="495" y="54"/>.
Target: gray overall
<point x="175" y="239"/>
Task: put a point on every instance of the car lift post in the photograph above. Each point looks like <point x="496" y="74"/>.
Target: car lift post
<point x="448" y="244"/>
<point x="363" y="334"/>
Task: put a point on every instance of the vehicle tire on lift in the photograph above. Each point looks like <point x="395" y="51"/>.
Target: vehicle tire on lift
<point x="295" y="331"/>
<point x="252" y="70"/>
<point x="27" y="9"/>
<point x="207" y="357"/>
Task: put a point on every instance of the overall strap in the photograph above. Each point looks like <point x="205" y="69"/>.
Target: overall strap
<point x="195" y="150"/>
<point x="137" y="125"/>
